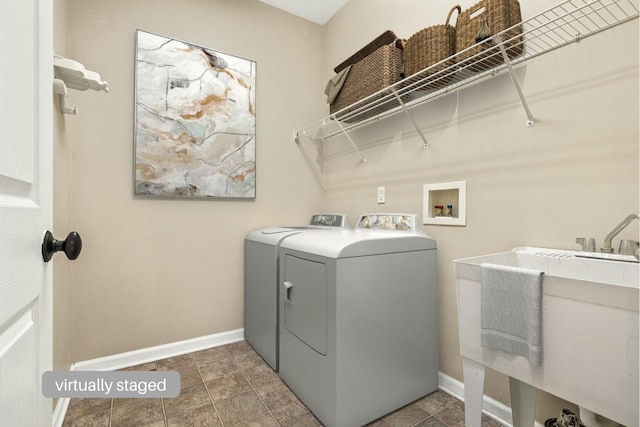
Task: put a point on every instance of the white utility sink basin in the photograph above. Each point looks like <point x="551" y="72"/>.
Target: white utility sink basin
<point x="589" y="334"/>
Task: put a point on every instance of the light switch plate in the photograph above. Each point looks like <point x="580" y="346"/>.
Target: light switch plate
<point x="381" y="195"/>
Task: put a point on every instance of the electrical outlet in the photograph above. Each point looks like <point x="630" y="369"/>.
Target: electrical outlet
<point x="381" y="195"/>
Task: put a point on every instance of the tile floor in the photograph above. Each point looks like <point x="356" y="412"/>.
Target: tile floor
<point x="232" y="386"/>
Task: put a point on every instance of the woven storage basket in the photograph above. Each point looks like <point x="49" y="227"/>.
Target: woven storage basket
<point x="430" y="46"/>
<point x="373" y="68"/>
<point x="479" y="23"/>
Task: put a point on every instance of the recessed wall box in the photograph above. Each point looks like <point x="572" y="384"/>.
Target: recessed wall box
<point x="445" y="203"/>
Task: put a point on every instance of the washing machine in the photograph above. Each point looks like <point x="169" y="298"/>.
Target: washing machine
<point x="261" y="281"/>
<point x="359" y="318"/>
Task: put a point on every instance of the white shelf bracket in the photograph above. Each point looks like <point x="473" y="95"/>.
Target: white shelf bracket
<point x="353" y="144"/>
<point x="498" y="40"/>
<point x="415" y="125"/>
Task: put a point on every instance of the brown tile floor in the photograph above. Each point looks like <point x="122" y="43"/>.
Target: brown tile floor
<point x="232" y="386"/>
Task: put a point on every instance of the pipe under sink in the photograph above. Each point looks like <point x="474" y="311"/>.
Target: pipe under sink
<point x="591" y="419"/>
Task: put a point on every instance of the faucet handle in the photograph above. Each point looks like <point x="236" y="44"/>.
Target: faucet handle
<point x="588" y="243"/>
<point x="628" y="247"/>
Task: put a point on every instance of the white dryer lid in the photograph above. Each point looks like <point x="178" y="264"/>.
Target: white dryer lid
<point x="358" y="242"/>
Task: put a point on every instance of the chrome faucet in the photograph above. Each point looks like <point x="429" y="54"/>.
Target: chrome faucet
<point x="588" y="243"/>
<point x="626" y="244"/>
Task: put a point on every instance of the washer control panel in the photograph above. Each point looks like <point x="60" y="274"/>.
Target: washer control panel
<point x="329" y="220"/>
<point x="398" y="222"/>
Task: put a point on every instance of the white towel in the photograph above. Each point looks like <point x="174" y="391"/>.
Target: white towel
<point x="511" y="310"/>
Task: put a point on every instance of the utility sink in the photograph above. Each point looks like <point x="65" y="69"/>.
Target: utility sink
<point x="589" y="335"/>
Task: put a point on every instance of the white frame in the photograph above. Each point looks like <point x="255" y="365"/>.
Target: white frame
<point x="461" y="204"/>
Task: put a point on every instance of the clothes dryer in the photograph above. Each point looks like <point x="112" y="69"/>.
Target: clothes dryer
<point x="261" y="281"/>
<point x="359" y="318"/>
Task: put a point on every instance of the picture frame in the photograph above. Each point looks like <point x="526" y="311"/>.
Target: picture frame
<point x="195" y="121"/>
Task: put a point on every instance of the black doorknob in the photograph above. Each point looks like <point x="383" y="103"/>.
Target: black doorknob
<point x="71" y="246"/>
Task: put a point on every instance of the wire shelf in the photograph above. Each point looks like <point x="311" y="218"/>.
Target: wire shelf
<point x="568" y="22"/>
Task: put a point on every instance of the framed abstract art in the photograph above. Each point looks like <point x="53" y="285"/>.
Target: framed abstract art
<point x="195" y="121"/>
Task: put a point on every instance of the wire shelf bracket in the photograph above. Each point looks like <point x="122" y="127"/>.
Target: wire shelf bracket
<point x="353" y="144"/>
<point x="413" y="121"/>
<point x="530" y="119"/>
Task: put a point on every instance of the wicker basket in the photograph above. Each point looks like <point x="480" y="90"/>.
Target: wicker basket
<point x="430" y="46"/>
<point x="373" y="68"/>
<point x="477" y="24"/>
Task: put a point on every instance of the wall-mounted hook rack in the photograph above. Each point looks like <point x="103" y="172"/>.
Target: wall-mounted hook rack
<point x="73" y="75"/>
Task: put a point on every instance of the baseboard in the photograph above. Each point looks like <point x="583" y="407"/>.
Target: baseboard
<point x="150" y="354"/>
<point x="144" y="355"/>
<point x="490" y="407"/>
<point x="60" y="411"/>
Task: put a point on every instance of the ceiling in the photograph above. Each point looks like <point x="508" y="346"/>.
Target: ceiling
<point x="318" y="11"/>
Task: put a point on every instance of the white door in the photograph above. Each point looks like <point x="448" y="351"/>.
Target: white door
<point x="26" y="115"/>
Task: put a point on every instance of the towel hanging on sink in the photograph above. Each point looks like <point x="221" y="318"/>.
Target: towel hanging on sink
<point x="511" y="310"/>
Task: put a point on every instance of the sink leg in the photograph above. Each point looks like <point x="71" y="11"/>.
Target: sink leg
<point x="473" y="392"/>
<point x="523" y="403"/>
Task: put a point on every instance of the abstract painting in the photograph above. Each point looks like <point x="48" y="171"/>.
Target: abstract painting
<point x="195" y="121"/>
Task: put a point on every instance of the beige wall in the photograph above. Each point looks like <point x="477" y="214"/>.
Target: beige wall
<point x="158" y="271"/>
<point x="575" y="173"/>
